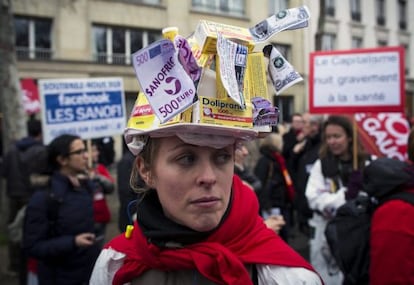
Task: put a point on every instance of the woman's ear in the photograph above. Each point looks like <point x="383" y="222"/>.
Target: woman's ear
<point x="62" y="160"/>
<point x="144" y="171"/>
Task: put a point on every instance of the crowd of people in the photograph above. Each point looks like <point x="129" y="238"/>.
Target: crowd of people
<point x="178" y="196"/>
<point x="200" y="201"/>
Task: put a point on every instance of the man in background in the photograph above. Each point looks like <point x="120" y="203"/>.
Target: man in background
<point x="23" y="159"/>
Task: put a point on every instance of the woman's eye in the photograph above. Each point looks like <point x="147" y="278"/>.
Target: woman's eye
<point x="224" y="157"/>
<point x="186" y="159"/>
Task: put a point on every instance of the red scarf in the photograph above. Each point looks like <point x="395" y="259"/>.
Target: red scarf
<point x="242" y="239"/>
<point x="288" y="181"/>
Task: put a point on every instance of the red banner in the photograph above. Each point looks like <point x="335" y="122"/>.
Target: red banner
<point x="30" y="93"/>
<point x="384" y="134"/>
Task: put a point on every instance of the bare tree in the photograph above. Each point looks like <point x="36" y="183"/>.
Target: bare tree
<point x="14" y="117"/>
<point x="11" y="107"/>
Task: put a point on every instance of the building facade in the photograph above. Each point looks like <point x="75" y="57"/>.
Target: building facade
<point x="95" y="38"/>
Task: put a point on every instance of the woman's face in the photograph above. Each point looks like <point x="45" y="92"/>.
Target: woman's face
<point x="240" y="154"/>
<point x="77" y="160"/>
<point x="337" y="140"/>
<point x="95" y="153"/>
<point x="193" y="182"/>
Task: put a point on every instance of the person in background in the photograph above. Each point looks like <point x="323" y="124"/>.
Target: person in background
<point x="290" y="138"/>
<point x="126" y="194"/>
<point x="106" y="150"/>
<point x="104" y="184"/>
<point x="59" y="224"/>
<point x="242" y="171"/>
<point x="392" y="233"/>
<point x="274" y="222"/>
<point x="304" y="154"/>
<point x="331" y="182"/>
<point x="24" y="159"/>
<point x="277" y="193"/>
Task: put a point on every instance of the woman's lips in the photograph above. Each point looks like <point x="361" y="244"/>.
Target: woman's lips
<point x="206" y="202"/>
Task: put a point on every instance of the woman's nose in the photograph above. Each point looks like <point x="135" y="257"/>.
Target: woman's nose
<point x="207" y="174"/>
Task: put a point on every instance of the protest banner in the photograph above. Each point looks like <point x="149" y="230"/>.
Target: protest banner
<point x="360" y="80"/>
<point x="87" y="107"/>
<point x="384" y="134"/>
<point x="30" y="94"/>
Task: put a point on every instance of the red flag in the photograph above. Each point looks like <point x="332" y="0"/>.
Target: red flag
<point x="30" y="93"/>
<point x="384" y="134"/>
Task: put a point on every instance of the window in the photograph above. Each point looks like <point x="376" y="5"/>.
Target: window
<point x="277" y="5"/>
<point x="356" y="10"/>
<point x="232" y="7"/>
<point x="402" y="14"/>
<point x="285" y="50"/>
<point x="33" y="38"/>
<point x="382" y="43"/>
<point x="330" y="8"/>
<point x="286" y="107"/>
<point x="407" y="58"/>
<point x="356" y="42"/>
<point x="380" y="10"/>
<point x="328" y="42"/>
<point x="152" y="2"/>
<point x="116" y="44"/>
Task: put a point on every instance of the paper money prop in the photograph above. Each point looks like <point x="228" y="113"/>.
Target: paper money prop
<point x="215" y="76"/>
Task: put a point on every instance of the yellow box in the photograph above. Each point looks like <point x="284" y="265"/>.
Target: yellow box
<point x="143" y="116"/>
<point x="224" y="112"/>
<point x="255" y="80"/>
<point x="206" y="35"/>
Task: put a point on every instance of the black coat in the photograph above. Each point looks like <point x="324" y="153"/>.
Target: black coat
<point x="303" y="163"/>
<point x="60" y="261"/>
<point x="273" y="192"/>
<point x="125" y="193"/>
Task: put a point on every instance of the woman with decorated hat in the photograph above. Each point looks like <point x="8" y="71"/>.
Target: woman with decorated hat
<point x="196" y="222"/>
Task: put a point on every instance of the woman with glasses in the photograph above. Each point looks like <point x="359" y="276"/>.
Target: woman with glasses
<point x="59" y="225"/>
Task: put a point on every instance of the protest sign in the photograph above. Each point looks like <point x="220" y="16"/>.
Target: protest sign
<point x="87" y="107"/>
<point x="360" y="80"/>
<point x="30" y="94"/>
<point x="384" y="134"/>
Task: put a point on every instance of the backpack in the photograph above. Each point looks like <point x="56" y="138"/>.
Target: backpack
<point x="348" y="233"/>
<point x="16" y="228"/>
<point x="21" y="167"/>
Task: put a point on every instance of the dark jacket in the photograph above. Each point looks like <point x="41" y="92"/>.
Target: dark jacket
<point x="273" y="192"/>
<point x="125" y="193"/>
<point x="24" y="158"/>
<point x="289" y="142"/>
<point x="246" y="175"/>
<point x="60" y="261"/>
<point x="303" y="163"/>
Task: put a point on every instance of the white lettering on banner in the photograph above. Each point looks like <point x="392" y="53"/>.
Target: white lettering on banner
<point x="62" y="85"/>
<point x="387" y="145"/>
<point x="96" y="84"/>
<point x="98" y="112"/>
<point x="62" y="115"/>
<point x="73" y="100"/>
<point x="156" y="82"/>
